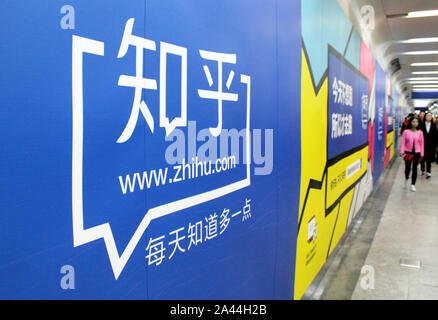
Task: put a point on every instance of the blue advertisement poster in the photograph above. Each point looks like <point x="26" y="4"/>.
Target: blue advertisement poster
<point x="379" y="128"/>
<point x="143" y="149"/>
<point x="398" y="117"/>
<point x="391" y="114"/>
<point x="347" y="106"/>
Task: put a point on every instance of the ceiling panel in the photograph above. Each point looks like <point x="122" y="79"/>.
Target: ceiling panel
<point x="404" y="59"/>
<point x="403" y="29"/>
<point x="406" y="47"/>
<point x="391" y="7"/>
<point x="408" y="69"/>
<point x="390" y="27"/>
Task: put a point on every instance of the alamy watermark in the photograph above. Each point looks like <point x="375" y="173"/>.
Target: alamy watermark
<point x="68" y="280"/>
<point x="68" y="18"/>
<point x="367" y="21"/>
<point x="229" y="143"/>
<point x="367" y="278"/>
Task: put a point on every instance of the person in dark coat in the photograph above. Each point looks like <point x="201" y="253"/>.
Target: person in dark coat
<point x="436" y="124"/>
<point x="430" y="134"/>
<point x="422" y="117"/>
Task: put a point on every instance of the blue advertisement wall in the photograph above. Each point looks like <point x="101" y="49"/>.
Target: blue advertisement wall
<point x="347" y="107"/>
<point x="379" y="127"/>
<point x="397" y="113"/>
<point x="113" y="117"/>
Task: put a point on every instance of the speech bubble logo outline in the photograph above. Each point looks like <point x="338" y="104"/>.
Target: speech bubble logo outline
<point x="83" y="236"/>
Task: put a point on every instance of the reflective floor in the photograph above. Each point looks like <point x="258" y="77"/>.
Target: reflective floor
<point x="395" y="225"/>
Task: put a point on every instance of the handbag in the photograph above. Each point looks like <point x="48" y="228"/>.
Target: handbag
<point x="408" y="157"/>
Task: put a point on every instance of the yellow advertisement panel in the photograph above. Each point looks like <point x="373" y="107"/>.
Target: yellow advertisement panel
<point x="327" y="187"/>
<point x="343" y="174"/>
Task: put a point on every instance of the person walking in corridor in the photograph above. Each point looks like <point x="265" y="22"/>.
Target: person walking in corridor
<point x="430" y="142"/>
<point x="412" y="149"/>
<point x="436" y="126"/>
<point x="421" y="118"/>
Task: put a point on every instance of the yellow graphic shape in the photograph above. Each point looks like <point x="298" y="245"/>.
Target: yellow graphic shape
<point x="309" y="259"/>
<point x="318" y="234"/>
<point x="342" y="211"/>
<point x="390" y="140"/>
<point x="344" y="173"/>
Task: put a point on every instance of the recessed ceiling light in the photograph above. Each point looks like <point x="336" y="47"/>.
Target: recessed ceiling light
<point x="424" y="82"/>
<point x="420" y="64"/>
<point x="423" y="78"/>
<point x="415" y="53"/>
<point x="421" y="102"/>
<point x="425" y="86"/>
<point x="421" y="14"/>
<point x="425" y="72"/>
<point x="425" y="90"/>
<point x="419" y="40"/>
<point x="429" y="83"/>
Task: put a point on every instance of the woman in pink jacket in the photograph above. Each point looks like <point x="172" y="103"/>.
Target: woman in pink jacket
<point x="412" y="148"/>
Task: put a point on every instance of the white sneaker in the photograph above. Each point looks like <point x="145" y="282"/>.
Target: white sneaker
<point x="413" y="188"/>
<point x="428" y="175"/>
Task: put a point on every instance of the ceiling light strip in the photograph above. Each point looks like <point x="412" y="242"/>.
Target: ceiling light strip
<point x="424" y="64"/>
<point x="422" y="14"/>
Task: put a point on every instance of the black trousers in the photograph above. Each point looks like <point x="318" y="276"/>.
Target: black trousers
<point x="426" y="164"/>
<point x="414" y="165"/>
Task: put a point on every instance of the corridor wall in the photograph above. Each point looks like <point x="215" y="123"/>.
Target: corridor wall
<point x="158" y="149"/>
<point x="110" y="114"/>
<point x="347" y="132"/>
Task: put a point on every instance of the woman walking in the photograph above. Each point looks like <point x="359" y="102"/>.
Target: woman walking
<point x="430" y="142"/>
<point x="412" y="148"/>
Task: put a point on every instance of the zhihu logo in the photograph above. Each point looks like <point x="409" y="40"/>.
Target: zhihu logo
<point x="141" y="124"/>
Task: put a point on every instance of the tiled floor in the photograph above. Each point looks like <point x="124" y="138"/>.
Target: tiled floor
<point x="395" y="223"/>
<point x="408" y="229"/>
